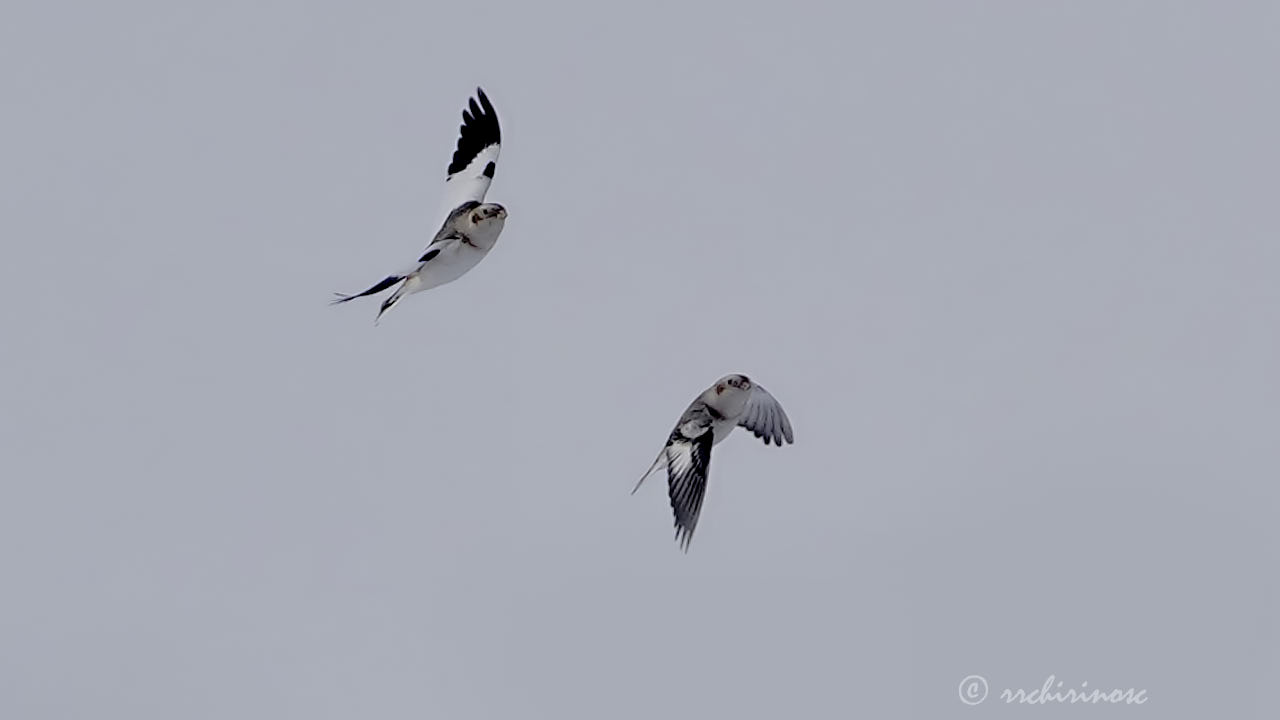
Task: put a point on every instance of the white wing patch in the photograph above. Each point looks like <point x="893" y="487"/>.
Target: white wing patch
<point x="687" y="464"/>
<point x="476" y="157"/>
<point x="679" y="458"/>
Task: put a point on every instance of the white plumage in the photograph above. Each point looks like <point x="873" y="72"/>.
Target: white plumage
<point x="731" y="402"/>
<point x="469" y="227"/>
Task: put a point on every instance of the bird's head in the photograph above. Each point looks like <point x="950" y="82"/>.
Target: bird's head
<point x="730" y="393"/>
<point x="488" y="214"/>
<point x="482" y="223"/>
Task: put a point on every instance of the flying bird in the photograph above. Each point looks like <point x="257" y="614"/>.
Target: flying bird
<point x="470" y="226"/>
<point x="731" y="402"/>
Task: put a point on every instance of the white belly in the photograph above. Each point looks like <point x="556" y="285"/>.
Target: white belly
<point x="447" y="267"/>
<point x="721" y="429"/>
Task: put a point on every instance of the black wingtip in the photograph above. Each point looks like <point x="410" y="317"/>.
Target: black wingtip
<point x="479" y="130"/>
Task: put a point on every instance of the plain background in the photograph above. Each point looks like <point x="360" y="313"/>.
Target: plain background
<point x="1011" y="268"/>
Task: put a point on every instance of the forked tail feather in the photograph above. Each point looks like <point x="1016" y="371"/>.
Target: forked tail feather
<point x="383" y="285"/>
<point x="657" y="461"/>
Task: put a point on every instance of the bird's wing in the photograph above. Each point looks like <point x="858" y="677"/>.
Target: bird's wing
<point x="445" y="240"/>
<point x="765" y="417"/>
<point x="476" y="157"/>
<point x="688" y="459"/>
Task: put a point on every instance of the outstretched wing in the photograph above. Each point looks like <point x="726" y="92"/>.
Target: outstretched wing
<point x="764" y="417"/>
<point x="688" y="459"/>
<point x="476" y="157"/>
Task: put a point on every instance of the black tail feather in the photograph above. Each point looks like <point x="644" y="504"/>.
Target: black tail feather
<point x="386" y="305"/>
<point x="386" y="283"/>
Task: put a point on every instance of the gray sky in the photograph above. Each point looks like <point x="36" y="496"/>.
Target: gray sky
<point x="1010" y="267"/>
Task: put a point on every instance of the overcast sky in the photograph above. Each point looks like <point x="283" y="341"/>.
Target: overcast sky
<point x="1012" y="268"/>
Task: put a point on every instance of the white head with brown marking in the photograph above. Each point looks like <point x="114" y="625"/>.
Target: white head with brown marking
<point x="729" y="395"/>
<point x="484" y="221"/>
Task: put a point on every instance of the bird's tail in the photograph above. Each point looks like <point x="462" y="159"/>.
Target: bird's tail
<point x="659" y="461"/>
<point x="391" y="300"/>
<point x="382" y="285"/>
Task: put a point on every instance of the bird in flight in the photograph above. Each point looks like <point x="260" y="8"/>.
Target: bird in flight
<point x="731" y="402"/>
<point x="470" y="226"/>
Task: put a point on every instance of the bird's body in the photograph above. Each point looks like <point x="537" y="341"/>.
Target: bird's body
<point x="470" y="226"/>
<point x="712" y="416"/>
<point x="467" y="236"/>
